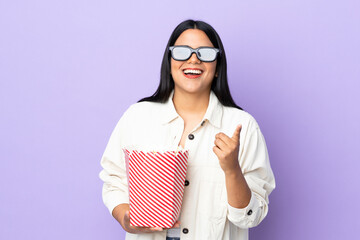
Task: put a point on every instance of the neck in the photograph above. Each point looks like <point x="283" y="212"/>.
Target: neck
<point x="191" y="103"/>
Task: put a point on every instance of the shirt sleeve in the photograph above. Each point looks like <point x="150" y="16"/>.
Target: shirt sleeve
<point x="255" y="165"/>
<point x="113" y="174"/>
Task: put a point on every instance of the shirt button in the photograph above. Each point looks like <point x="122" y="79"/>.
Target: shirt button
<point x="186" y="183"/>
<point x="191" y="136"/>
<point x="249" y="212"/>
<point x="185" y="230"/>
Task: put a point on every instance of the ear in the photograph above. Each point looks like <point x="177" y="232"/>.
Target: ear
<point x="216" y="74"/>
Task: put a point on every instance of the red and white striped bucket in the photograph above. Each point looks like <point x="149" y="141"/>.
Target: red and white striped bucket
<point x="156" y="186"/>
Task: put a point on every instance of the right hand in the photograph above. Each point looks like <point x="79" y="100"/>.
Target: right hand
<point x="124" y="219"/>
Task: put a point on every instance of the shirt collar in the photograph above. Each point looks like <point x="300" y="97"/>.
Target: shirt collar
<point x="213" y="112"/>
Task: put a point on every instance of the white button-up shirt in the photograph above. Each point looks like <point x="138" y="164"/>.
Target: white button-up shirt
<point x="205" y="212"/>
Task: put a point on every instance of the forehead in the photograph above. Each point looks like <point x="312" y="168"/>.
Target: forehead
<point x="194" y="38"/>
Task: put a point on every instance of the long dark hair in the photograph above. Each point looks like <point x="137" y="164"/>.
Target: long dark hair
<point x="219" y="84"/>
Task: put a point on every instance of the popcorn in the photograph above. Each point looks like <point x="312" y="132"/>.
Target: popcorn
<point x="156" y="186"/>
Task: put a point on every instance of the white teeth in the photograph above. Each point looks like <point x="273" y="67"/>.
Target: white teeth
<point x="192" y="71"/>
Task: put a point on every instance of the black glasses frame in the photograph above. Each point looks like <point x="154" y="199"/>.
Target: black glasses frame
<point x="194" y="51"/>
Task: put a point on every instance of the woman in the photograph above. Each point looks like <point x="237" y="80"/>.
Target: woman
<point x="228" y="178"/>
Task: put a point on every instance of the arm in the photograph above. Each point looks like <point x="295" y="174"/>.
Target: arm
<point x="248" y="183"/>
<point x="113" y="174"/>
<point x="246" y="208"/>
<point x="115" y="193"/>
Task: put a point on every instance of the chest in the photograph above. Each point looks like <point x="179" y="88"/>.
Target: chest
<point x="197" y="137"/>
<point x="189" y="127"/>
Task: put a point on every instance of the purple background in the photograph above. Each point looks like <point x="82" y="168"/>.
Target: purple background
<point x="69" y="69"/>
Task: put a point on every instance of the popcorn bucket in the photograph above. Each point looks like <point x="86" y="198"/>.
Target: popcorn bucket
<point x="156" y="186"/>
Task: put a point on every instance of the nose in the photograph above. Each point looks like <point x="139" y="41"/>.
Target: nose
<point x="194" y="58"/>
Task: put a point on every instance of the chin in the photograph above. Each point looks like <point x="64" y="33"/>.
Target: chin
<point x="192" y="89"/>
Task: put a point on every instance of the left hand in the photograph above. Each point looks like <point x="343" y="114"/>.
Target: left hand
<point x="227" y="150"/>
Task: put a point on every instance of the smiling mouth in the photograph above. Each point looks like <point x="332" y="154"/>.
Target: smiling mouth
<point x="192" y="73"/>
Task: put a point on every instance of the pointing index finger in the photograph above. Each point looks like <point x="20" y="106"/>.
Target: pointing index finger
<point x="237" y="131"/>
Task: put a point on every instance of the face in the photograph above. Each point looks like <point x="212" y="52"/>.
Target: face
<point x="194" y="38"/>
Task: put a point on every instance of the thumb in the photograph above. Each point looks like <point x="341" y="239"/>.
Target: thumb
<point x="237" y="131"/>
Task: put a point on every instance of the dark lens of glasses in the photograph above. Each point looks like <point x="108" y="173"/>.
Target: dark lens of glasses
<point x="182" y="53"/>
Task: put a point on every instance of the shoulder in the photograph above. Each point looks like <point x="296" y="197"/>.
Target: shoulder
<point x="142" y="109"/>
<point x="231" y="114"/>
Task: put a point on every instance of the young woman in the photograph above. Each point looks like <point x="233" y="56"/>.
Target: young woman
<point x="229" y="178"/>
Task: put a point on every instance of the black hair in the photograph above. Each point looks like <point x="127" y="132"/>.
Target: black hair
<point x="219" y="84"/>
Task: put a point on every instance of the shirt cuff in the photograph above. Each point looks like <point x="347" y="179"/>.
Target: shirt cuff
<point x="246" y="214"/>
